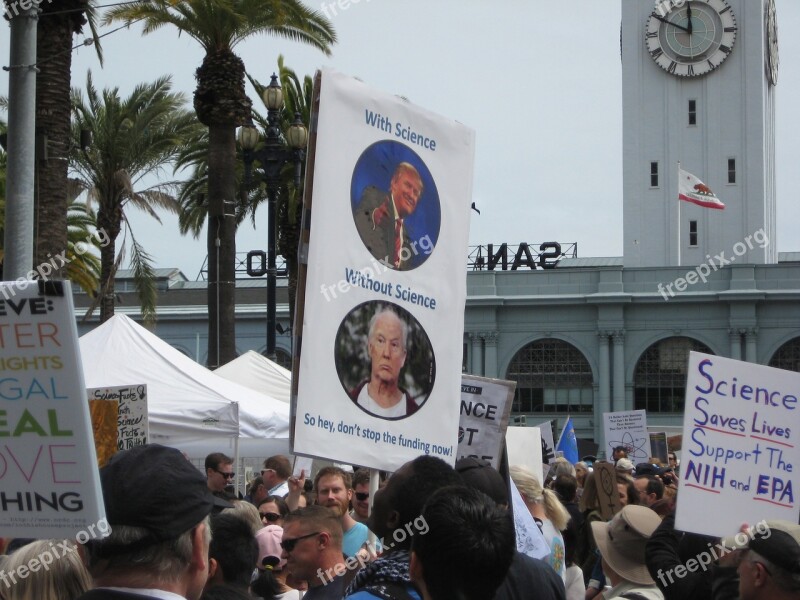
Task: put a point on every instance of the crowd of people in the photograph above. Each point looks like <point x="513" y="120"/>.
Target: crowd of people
<point x="431" y="532"/>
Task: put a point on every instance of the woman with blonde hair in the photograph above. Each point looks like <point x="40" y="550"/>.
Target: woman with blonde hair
<point x="64" y="578"/>
<point x="547" y="510"/>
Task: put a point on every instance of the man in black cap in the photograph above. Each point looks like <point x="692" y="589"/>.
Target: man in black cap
<point x="769" y="567"/>
<point x="525" y="573"/>
<point x="158" y="505"/>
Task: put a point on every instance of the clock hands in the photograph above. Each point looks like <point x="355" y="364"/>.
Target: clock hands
<point x="689" y="16"/>
<point x="668" y="22"/>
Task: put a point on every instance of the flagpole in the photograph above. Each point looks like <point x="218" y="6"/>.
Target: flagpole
<point x="679" y="214"/>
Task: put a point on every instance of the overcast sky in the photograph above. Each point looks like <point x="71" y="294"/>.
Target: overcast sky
<point x="540" y="82"/>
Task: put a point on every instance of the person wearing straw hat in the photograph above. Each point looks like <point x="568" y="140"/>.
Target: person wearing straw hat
<point x="622" y="543"/>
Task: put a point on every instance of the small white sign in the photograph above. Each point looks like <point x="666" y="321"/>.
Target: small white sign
<point x="132" y="424"/>
<point x="627" y="428"/>
<point x="524" y="447"/>
<point x="740" y="446"/>
<point x="485" y="406"/>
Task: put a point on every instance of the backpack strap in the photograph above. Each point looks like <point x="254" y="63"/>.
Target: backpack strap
<point x="389" y="591"/>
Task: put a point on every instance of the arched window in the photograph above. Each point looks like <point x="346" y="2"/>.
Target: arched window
<point x="787" y="356"/>
<point x="552" y="376"/>
<point x="660" y="376"/>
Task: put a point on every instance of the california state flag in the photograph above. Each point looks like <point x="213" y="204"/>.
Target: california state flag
<point x="691" y="189"/>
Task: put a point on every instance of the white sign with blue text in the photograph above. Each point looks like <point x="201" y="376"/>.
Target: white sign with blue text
<point x="383" y="321"/>
<point x="740" y="445"/>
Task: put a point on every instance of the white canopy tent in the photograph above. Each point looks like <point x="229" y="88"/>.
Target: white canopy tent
<point x="189" y="407"/>
<point x="259" y="373"/>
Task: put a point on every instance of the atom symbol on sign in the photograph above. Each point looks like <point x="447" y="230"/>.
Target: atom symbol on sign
<point x="635" y="449"/>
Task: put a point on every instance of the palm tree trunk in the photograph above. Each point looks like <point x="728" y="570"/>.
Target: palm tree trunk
<point x="54" y="60"/>
<point x="221" y="245"/>
<point x="107" y="254"/>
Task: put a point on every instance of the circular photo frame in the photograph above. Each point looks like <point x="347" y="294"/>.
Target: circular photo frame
<point x="384" y="360"/>
<point x="395" y="204"/>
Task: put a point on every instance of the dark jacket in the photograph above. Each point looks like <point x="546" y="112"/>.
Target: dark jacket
<point x="669" y="548"/>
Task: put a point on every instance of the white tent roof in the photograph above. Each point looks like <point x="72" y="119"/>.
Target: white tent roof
<point x="259" y="373"/>
<point x="186" y="401"/>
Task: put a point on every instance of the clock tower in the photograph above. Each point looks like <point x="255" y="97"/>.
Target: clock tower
<point x="698" y="82"/>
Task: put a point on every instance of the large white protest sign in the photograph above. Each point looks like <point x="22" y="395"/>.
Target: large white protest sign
<point x="628" y="429"/>
<point x="740" y="452"/>
<point x="485" y="406"/>
<point x="383" y="316"/>
<point x="49" y="482"/>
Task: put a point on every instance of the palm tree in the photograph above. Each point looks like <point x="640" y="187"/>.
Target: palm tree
<point x="134" y="138"/>
<point x="194" y="205"/>
<point x="222" y="105"/>
<point x="57" y="24"/>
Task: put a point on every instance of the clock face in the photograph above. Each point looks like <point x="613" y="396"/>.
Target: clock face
<point x="772" y="43"/>
<point x="692" y="38"/>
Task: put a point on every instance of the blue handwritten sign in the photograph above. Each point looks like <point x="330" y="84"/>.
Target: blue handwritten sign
<point x="740" y="445"/>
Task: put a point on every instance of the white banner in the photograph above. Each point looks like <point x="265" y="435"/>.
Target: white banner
<point x="485" y="406"/>
<point x="739" y="454"/>
<point x="380" y="366"/>
<point x="49" y="482"/>
<point x="627" y="428"/>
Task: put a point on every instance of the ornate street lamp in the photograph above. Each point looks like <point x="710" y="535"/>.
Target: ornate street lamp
<point x="273" y="156"/>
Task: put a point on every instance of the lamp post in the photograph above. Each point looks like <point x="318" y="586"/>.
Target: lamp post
<point x="273" y="155"/>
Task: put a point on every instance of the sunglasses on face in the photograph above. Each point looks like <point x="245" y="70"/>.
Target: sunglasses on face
<point x="288" y="545"/>
<point x="270" y="516"/>
<point x="362" y="496"/>
<point x="230" y="475"/>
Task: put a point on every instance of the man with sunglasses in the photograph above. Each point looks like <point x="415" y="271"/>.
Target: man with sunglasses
<point x="220" y="475"/>
<point x="275" y="475"/>
<point x="360" y="496"/>
<point x="312" y="548"/>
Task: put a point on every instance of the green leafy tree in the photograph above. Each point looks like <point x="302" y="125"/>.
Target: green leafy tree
<point x="133" y="138"/>
<point x="222" y="104"/>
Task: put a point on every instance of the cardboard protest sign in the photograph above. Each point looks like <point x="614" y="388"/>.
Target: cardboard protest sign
<point x="605" y="480"/>
<point x="49" y="482"/>
<point x="627" y="428"/>
<point x="740" y="445"/>
<point x="485" y="406"/>
<point x="131" y="423"/>
<point x="383" y="313"/>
